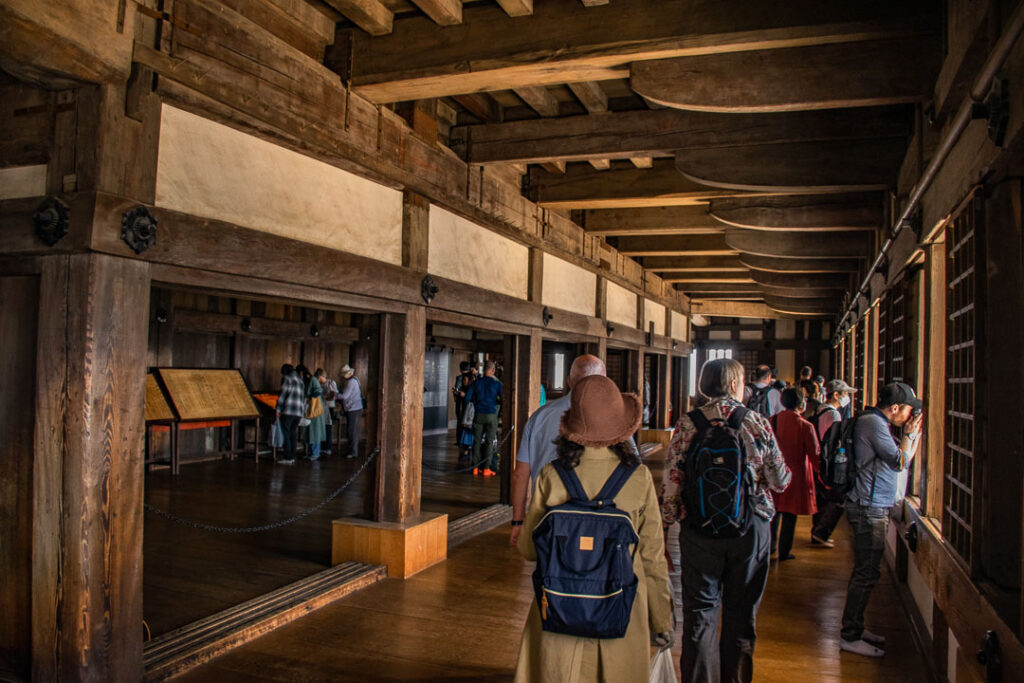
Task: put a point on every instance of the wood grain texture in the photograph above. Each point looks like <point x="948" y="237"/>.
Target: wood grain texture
<point x="565" y="42"/>
<point x="843" y="245"/>
<point x="863" y="74"/>
<point x="517" y="8"/>
<point x="443" y="12"/>
<point x="632" y="134"/>
<point x="89" y="506"/>
<point x="659" y="220"/>
<point x="803" y="167"/>
<point x="773" y="264"/>
<point x="855" y="211"/>
<point x="370" y="15"/>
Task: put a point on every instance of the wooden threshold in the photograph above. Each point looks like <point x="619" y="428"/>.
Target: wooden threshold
<point x="465" y="528"/>
<point x="184" y="648"/>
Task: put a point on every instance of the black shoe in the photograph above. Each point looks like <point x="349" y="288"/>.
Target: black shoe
<point x="791" y="556"/>
<point x="351" y="456"/>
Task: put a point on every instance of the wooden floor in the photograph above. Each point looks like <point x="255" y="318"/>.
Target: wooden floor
<point x="462" y="621"/>
<point x="189" y="574"/>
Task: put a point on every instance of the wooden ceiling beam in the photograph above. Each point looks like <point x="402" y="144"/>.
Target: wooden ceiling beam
<point x="601" y="164"/>
<point x="797" y="167"/>
<point x="443" y="12"/>
<point x="774" y="264"/>
<point x="517" y="8"/>
<point x="555" y="167"/>
<point x="642" y="162"/>
<point x="822" y="306"/>
<point x="480" y="105"/>
<point x="583" y="188"/>
<point x="638" y="135"/>
<point x="590" y="95"/>
<point x="732" y="309"/>
<point x="370" y="15"/>
<point x="560" y="43"/>
<point x="693" y="264"/>
<point x="662" y="220"/>
<point x="594" y="3"/>
<point x="837" y="281"/>
<point x="697" y="245"/>
<point x="863" y="74"/>
<point x="539" y="99"/>
<point x="839" y="245"/>
<point x="824" y="213"/>
<point x="698" y="288"/>
<point x="718" y="278"/>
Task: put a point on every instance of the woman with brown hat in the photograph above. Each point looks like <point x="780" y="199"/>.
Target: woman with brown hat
<point x="594" y="432"/>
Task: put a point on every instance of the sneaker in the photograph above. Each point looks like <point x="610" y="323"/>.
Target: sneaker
<point x="872" y="638"/>
<point x="490" y="473"/>
<point x="290" y="461"/>
<point x="351" y="456"/>
<point x="824" y="542"/>
<point x="860" y="647"/>
<point x="476" y="471"/>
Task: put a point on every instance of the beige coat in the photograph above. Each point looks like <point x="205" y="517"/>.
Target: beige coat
<point x="557" y="658"/>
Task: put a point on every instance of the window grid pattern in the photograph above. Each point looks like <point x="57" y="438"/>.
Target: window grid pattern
<point x="963" y="244"/>
<point x="898" y="333"/>
<point x="748" y="358"/>
<point x="858" y="363"/>
<point x="884" y="333"/>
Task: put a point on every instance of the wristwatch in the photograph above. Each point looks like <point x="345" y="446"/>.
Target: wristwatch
<point x="516" y="522"/>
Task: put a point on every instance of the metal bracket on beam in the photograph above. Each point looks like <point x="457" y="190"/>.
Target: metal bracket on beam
<point x="428" y="289"/>
<point x="51" y="221"/>
<point x="546" y="315"/>
<point x="995" y="109"/>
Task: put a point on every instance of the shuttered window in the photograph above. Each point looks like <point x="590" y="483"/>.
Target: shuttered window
<point x="884" y="335"/>
<point x="860" y="336"/>
<point x="961" y="497"/>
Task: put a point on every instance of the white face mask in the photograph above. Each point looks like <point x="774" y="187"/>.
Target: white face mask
<point x="844" y="401"/>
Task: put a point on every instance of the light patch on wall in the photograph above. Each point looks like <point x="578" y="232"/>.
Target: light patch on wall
<point x="567" y="286"/>
<point x="462" y="250"/>
<point x="922" y="596"/>
<point x="785" y="361"/>
<point x="214" y="171"/>
<point x="621" y="305"/>
<point x="750" y="334"/>
<point x="22" y="181"/>
<point x="653" y="311"/>
<point x="785" y="328"/>
<point x="719" y="334"/>
<point x="680" y="327"/>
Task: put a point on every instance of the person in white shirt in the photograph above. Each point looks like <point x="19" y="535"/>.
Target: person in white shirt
<point x="761" y="396"/>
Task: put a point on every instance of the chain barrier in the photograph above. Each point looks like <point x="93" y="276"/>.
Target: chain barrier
<point x="271" y="525"/>
<point x="497" y="449"/>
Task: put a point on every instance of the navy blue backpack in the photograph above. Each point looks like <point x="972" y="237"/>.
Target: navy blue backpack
<point x="584" y="580"/>
<point x="716" y="478"/>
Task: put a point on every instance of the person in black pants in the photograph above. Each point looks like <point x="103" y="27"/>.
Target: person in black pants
<point x="723" y="575"/>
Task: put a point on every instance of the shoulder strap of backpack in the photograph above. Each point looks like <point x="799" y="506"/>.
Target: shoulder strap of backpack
<point x="571" y="482"/>
<point x="615" y="483"/>
<point x="698" y="420"/>
<point x="737" y="417"/>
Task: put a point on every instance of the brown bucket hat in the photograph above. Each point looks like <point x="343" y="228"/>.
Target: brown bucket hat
<point x="599" y="414"/>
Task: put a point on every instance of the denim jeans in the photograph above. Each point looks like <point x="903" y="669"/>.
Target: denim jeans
<point x="289" y="429"/>
<point x="728" y="576"/>
<point x="869" y="525"/>
<point x="485" y="431"/>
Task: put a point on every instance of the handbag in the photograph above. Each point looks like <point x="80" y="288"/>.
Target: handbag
<point x="316" y="408"/>
<point x="468" y="415"/>
<point x="276" y="435"/>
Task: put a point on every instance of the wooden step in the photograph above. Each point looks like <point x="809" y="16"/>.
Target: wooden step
<point x="464" y="528"/>
<point x="181" y="649"/>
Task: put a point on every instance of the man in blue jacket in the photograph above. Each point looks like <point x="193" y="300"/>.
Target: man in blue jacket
<point x="485" y="395"/>
<point x="879" y="457"/>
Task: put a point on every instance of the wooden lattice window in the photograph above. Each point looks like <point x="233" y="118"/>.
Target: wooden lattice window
<point x="897" y="334"/>
<point x="749" y="359"/>
<point x="859" y="346"/>
<point x="884" y="334"/>
<point x="964" y="285"/>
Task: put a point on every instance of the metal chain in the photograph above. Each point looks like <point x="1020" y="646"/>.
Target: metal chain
<point x="272" y="525"/>
<point x="497" y="449"/>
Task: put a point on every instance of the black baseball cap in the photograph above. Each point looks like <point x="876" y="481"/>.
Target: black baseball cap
<point x="899" y="393"/>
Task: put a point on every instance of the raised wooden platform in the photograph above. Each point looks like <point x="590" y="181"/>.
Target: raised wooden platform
<point x="200" y="641"/>
<point x="469" y="526"/>
<point x="405" y="549"/>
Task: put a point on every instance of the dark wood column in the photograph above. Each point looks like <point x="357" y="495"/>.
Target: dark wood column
<point x="88" y="470"/>
<point x="399" y="471"/>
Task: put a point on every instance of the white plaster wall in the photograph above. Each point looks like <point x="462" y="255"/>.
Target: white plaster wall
<point x="568" y="286"/>
<point x="462" y="250"/>
<point x="785" y="361"/>
<point x="214" y="171"/>
<point x="750" y="334"/>
<point x="680" y="327"/>
<point x="656" y="312"/>
<point x="785" y="329"/>
<point x="22" y="181"/>
<point x="719" y="335"/>
<point x="621" y="305"/>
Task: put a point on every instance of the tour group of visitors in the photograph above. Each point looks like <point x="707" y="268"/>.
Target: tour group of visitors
<point x="477" y="405"/>
<point x="314" y="400"/>
<point x="740" y="469"/>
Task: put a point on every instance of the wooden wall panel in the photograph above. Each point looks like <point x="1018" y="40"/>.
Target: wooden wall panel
<point x="19" y="304"/>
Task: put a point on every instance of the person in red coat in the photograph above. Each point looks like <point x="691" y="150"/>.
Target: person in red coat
<point x="799" y="445"/>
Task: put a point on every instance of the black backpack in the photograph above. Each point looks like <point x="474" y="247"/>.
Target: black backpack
<point x="584" y="581"/>
<point x="759" y="400"/>
<point x="838" y="467"/>
<point x="715" y="487"/>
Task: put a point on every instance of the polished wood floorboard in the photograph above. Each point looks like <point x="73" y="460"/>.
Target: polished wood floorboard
<point x="462" y="620"/>
<point x="190" y="574"/>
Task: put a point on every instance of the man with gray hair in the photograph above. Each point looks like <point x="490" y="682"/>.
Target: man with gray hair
<point x="537" y="447"/>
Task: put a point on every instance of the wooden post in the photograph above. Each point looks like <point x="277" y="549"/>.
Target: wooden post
<point x="528" y="356"/>
<point x="401" y="415"/>
<point x="88" y="471"/>
<point x="935" y="388"/>
<point x="415" y="230"/>
<point x="535" y="281"/>
<point x="664" y="390"/>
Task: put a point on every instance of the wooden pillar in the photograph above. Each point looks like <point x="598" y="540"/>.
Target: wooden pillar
<point x="664" y="390"/>
<point x="535" y="281"/>
<point x="527" y="398"/>
<point x="88" y="470"/>
<point x="415" y="231"/>
<point x="399" y="472"/>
